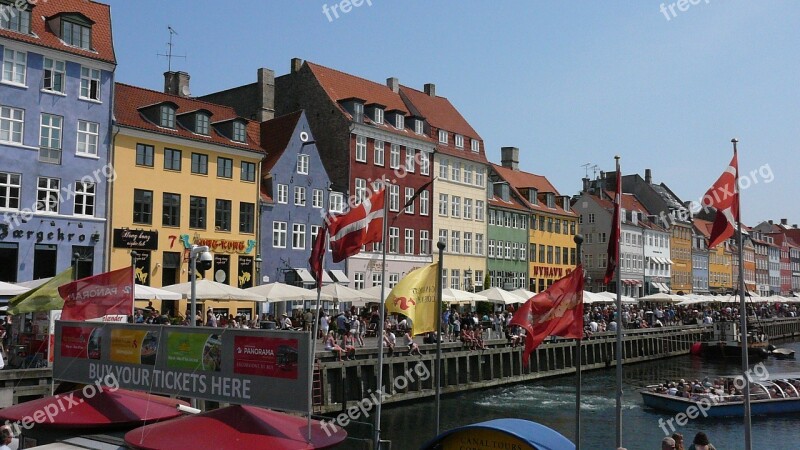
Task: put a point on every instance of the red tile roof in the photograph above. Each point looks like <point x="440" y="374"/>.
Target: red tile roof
<point x="513" y="203"/>
<point x="704" y="227"/>
<point x="518" y="179"/>
<point x="100" y="14"/>
<point x="129" y="99"/>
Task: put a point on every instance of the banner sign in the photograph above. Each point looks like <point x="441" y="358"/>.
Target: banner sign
<point x="135" y="239"/>
<point x="251" y="367"/>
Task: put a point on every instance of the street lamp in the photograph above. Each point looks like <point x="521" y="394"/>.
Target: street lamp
<point x="198" y="254"/>
<point x="258" y="269"/>
<point x="468" y="274"/>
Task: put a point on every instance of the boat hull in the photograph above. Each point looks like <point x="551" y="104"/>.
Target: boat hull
<point x="675" y="405"/>
<point x="723" y="351"/>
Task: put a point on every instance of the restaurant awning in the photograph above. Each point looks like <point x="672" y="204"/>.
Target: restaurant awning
<point x="668" y="261"/>
<point x="304" y="274"/>
<point x="339" y="276"/>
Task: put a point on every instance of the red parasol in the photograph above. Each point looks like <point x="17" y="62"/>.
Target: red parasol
<point x="97" y="408"/>
<point x="236" y="428"/>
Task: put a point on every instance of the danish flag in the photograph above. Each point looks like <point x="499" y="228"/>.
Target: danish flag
<point x="362" y="225"/>
<point x="724" y="197"/>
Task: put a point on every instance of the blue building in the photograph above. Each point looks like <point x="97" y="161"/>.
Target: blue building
<point x="295" y="193"/>
<point x="56" y="103"/>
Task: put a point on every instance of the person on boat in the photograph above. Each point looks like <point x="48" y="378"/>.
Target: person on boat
<point x="701" y="442"/>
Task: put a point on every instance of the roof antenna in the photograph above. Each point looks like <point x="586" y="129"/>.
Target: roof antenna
<point x="169" y="54"/>
<point x="586" y="169"/>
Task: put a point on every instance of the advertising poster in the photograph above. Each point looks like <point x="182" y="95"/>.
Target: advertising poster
<point x="80" y="342"/>
<point x="134" y="346"/>
<point x="265" y="356"/>
<point x="194" y="351"/>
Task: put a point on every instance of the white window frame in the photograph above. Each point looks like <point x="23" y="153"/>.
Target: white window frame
<point x="90" y="84"/>
<point x="419" y="126"/>
<point x="278" y="234"/>
<point x="409" y="195"/>
<point x="317" y="198"/>
<point x="378" y="116"/>
<point x="479" y="244"/>
<point x="300" y="196"/>
<point x="51" y="145"/>
<point x="444" y="169"/>
<point x="10" y="191"/>
<point x="467" y="212"/>
<point x="84" y="199"/>
<point x="361" y="148"/>
<point x="302" y="164"/>
<point x="424" y="203"/>
<point x="394" y="197"/>
<point x="479" y="210"/>
<point x="298" y="236"/>
<point x="409" y="241"/>
<point x="468" y="174"/>
<point x="424" y="163"/>
<point x="336" y="202"/>
<point x="444" y="205"/>
<point x="394" y="156"/>
<point x="8" y="123"/>
<point x="361" y="190"/>
<point x="424" y="242"/>
<point x="283" y="194"/>
<point x="491" y="248"/>
<point x="394" y="239"/>
<point x="455" y="206"/>
<point x="57" y="71"/>
<point x="358" y="280"/>
<point x="166" y="116"/>
<point x="443" y="137"/>
<point x="88" y="138"/>
<point x="467" y="243"/>
<point x="479" y="176"/>
<point x="380" y="153"/>
<point x="475" y="145"/>
<point x="399" y="121"/>
<point x="410" y="158"/>
<point x="51" y="195"/>
<point x="455" y="241"/>
<point x="15" y="67"/>
<point x="455" y="171"/>
<point x="459" y="141"/>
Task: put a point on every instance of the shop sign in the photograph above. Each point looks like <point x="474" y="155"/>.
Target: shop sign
<point x="135" y="239"/>
<point x="215" y="245"/>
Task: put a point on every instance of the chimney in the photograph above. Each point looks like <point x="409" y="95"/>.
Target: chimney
<point x="784" y="222"/>
<point x="394" y="84"/>
<point x="770" y="222"/>
<point x="430" y="89"/>
<point x="585" y="184"/>
<point x="602" y="175"/>
<point x="266" y="94"/>
<point x="297" y="63"/>
<point x="509" y="157"/>
<point x="648" y="176"/>
<point x="176" y="83"/>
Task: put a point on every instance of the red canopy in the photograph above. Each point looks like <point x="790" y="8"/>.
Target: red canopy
<point x="235" y="428"/>
<point x="104" y="409"/>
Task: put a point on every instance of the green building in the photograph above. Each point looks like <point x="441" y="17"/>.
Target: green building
<point x="507" y="263"/>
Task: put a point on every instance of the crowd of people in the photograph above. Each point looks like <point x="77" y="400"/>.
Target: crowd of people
<point x="675" y="442"/>
<point x="726" y="390"/>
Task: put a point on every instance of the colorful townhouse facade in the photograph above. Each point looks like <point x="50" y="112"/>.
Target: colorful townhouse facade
<point x="188" y="173"/>
<point x="720" y="261"/>
<point x="701" y="255"/>
<point x="507" y="230"/>
<point x="56" y="103"/>
<point x="460" y="167"/>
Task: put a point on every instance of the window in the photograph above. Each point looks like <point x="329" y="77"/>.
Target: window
<point x="394" y="239"/>
<point x="394" y="157"/>
<point x="18" y="19"/>
<point x="361" y="189"/>
<point x="358" y="112"/>
<point x="298" y="236"/>
<point x="424" y="242"/>
<point x="399" y="121"/>
<point x="479" y="177"/>
<point x="361" y="148"/>
<point x="455" y="241"/>
<point x="172" y="159"/>
<point x="479" y="244"/>
<point x="443" y="234"/>
<point x="358" y="279"/>
<point x="248" y="171"/>
<point x="247" y="214"/>
<point x="410" y="155"/>
<point x="378" y="116"/>
<point x="508" y="249"/>
<point x="409" y="196"/>
<point x="200" y="163"/>
<point x="50" y="139"/>
<point x="300" y="196"/>
<point x="377" y="278"/>
<point x="76" y="35"/>
<point x="468" y="174"/>
<point x="542" y="250"/>
<point x="90" y="90"/>
<point x="424" y="203"/>
<point x="549" y="254"/>
<point x="11" y="124"/>
<point x="317" y="198"/>
<point x="197" y="212"/>
<point x="143" y="206"/>
<point x="239" y="132"/>
<point x="171" y="210"/>
<point x="54" y="75"/>
<point x="467" y="243"/>
<point x="424" y="163"/>
<point x="468" y="208"/>
<point x="459" y="141"/>
<point x="279" y="234"/>
<point x="87" y="138"/>
<point x="15" y="66"/>
<point x="167" y="116"/>
<point x="222" y="215"/>
<point x="10" y="185"/>
<point x="336" y="202"/>
<point x="565" y="254"/>
<point x="409" y="245"/>
<point x="224" y="167"/>
<point x="455" y="206"/>
<point x="591" y="217"/>
<point x="455" y="171"/>
<point x="532" y="253"/>
<point x="443" y="137"/>
<point x="394" y="197"/>
<point x="314" y="233"/>
<point x="418" y="126"/>
<point x="283" y="194"/>
<point x="84" y="199"/>
<point x="201" y="123"/>
<point x="479" y="210"/>
<point x="522" y="251"/>
<point x="514" y="249"/>
<point x="379" y="153"/>
<point x="476" y="145"/>
<point x="144" y="155"/>
<point x="558" y="255"/>
<point x="302" y="164"/>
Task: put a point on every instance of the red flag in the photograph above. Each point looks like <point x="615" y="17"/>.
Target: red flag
<point x="318" y="255"/>
<point x="724" y="197"/>
<point x="613" y="241"/>
<point x="558" y="311"/>
<point x="98" y="296"/>
<point x="361" y="225"/>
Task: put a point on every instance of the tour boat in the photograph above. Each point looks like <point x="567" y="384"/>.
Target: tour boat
<point x="724" y="341"/>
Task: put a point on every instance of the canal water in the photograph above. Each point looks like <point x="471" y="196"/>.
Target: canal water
<point x="552" y="403"/>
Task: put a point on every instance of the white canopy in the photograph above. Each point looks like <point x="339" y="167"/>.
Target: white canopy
<point x="524" y="293"/>
<point x="497" y="295"/>
<point x="663" y="297"/>
<point x="340" y="293"/>
<point x="613" y="297"/>
<point x="592" y="297"/>
<point x="141" y="292"/>
<point x="459" y="296"/>
<point x="211" y="290"/>
<point x="8" y="289"/>
<point x="281" y="292"/>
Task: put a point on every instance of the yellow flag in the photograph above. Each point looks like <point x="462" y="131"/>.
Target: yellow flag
<point x="415" y="297"/>
<point x="43" y="298"/>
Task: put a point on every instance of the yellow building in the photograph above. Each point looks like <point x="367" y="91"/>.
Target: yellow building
<point x="187" y="174"/>
<point x="720" y="263"/>
<point x="552" y="225"/>
<point x="680" y="252"/>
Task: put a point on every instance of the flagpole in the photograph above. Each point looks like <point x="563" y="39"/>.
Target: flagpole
<point x="618" y="350"/>
<point x="578" y="360"/>
<point x="134" y="255"/>
<point x="314" y="331"/>
<point x="379" y="332"/>
<point x="440" y="245"/>
<point x="742" y="311"/>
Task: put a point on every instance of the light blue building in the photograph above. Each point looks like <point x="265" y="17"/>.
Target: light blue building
<point x="296" y="193"/>
<point x="56" y="103"/>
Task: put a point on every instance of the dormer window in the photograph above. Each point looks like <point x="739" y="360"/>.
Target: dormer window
<point x="15" y="19"/>
<point x="443" y="137"/>
<point x="459" y="141"/>
<point x="533" y="196"/>
<point x="239" y="133"/>
<point x="418" y="126"/>
<point x="399" y="121"/>
<point x="167" y="116"/>
<point x="377" y="116"/>
<point x="551" y="200"/>
<point x="476" y="145"/>
<point x="201" y="123"/>
<point x="76" y="35"/>
<point x="358" y="112"/>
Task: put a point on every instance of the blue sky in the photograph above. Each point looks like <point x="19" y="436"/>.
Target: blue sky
<point x="569" y="83"/>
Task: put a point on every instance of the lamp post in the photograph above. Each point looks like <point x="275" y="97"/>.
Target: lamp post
<point x="468" y="284"/>
<point x="258" y="270"/>
<point x="198" y="254"/>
